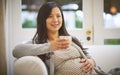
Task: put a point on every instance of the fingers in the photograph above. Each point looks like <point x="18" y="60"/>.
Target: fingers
<point x="82" y="60"/>
<point x="63" y="44"/>
<point x="60" y="44"/>
<point x="87" y="68"/>
<point x="87" y="65"/>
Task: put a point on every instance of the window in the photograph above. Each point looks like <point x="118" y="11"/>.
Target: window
<point x="111" y="20"/>
<point x="111" y="13"/>
<point x="29" y="12"/>
<point x="73" y="14"/>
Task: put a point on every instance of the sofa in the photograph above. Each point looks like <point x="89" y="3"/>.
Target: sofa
<point x="30" y="65"/>
<point x="107" y="57"/>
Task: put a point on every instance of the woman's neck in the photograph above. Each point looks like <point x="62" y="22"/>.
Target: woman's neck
<point x="53" y="36"/>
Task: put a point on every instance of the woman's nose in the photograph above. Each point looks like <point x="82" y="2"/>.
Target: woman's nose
<point x="55" y="18"/>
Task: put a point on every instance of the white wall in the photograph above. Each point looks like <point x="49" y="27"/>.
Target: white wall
<point x="107" y="56"/>
<point x="14" y="32"/>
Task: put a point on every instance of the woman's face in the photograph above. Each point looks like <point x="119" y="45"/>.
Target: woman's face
<point x="54" y="20"/>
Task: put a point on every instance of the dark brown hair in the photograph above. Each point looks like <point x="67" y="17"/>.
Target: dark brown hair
<point x="41" y="35"/>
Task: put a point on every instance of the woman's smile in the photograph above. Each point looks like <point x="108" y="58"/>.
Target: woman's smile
<point x="54" y="21"/>
<point x="55" y="25"/>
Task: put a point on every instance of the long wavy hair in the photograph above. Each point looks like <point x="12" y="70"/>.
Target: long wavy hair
<point x="41" y="34"/>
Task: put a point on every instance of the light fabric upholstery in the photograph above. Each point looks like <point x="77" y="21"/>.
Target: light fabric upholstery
<point x="30" y="65"/>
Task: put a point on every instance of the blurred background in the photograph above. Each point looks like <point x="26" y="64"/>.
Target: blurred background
<point x="94" y="22"/>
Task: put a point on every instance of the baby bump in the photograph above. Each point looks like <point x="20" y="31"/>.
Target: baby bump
<point x="69" y="67"/>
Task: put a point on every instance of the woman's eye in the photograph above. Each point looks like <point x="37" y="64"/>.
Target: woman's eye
<point x="58" y="15"/>
<point x="50" y="16"/>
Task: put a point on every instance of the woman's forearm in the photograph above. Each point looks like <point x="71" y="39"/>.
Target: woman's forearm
<point x="31" y="49"/>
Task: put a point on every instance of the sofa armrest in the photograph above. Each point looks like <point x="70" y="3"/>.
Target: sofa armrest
<point x="30" y="65"/>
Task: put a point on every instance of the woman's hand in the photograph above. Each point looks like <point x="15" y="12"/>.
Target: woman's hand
<point x="59" y="44"/>
<point x="87" y="65"/>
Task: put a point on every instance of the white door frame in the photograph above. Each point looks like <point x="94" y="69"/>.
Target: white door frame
<point x="13" y="8"/>
<point x="100" y="32"/>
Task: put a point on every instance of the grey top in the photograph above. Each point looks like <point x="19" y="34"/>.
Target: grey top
<point x="29" y="49"/>
<point x="26" y="49"/>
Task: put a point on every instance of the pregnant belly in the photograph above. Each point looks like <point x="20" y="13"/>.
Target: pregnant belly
<point x="69" y="67"/>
